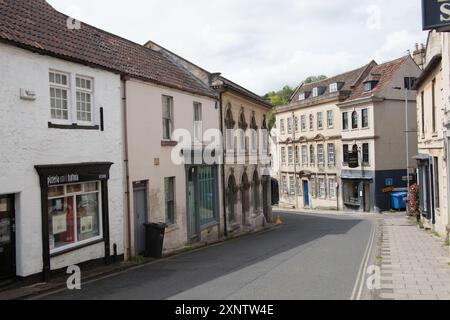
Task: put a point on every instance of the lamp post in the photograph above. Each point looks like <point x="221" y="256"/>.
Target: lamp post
<point x="407" y="87"/>
<point x="294" y="150"/>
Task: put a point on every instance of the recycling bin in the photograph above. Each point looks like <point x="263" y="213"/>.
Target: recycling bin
<point x="398" y="200"/>
<point x="154" y="239"/>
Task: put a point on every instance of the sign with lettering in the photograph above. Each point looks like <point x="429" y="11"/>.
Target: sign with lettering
<point x="388" y="189"/>
<point x="389" y="182"/>
<point x="436" y="15"/>
<point x="62" y="179"/>
<point x="353" y="160"/>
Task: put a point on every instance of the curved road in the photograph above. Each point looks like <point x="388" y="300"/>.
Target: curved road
<point x="309" y="257"/>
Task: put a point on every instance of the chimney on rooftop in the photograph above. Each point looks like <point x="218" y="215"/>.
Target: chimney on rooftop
<point x="419" y="55"/>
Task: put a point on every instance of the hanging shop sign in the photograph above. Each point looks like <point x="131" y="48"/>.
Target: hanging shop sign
<point x="436" y="15"/>
<point x="353" y="160"/>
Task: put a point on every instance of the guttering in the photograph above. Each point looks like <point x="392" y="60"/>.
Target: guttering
<point x="360" y="100"/>
<point x="126" y="160"/>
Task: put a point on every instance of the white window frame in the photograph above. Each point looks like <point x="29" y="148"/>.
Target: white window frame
<point x="284" y="184"/>
<point x="319" y="120"/>
<point x="75" y="214"/>
<point x="302" y="96"/>
<point x="320" y="155"/>
<point x="171" y="116"/>
<point x="198" y="123"/>
<point x="290" y="155"/>
<point x="292" y="185"/>
<point x="321" y="187"/>
<point x="68" y="89"/>
<point x="304" y="155"/>
<point x="282" y="126"/>
<point x="88" y="91"/>
<point x="330" y="119"/>
<point x="333" y="87"/>
<point x="315" y="92"/>
<point x="289" y="125"/>
<point x="283" y="155"/>
<point x="303" y="123"/>
<point x="362" y="118"/>
<point x="331" y="152"/>
<point x="332" y="188"/>
<point x="311" y="122"/>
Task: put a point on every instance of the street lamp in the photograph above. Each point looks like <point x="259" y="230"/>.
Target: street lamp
<point x="407" y="87"/>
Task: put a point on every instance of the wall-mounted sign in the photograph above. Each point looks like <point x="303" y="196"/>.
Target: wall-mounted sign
<point x="436" y="15"/>
<point x="388" y="189"/>
<point x="353" y="160"/>
<point x="389" y="182"/>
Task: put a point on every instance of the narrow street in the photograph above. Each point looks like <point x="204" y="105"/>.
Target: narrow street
<point x="309" y="257"/>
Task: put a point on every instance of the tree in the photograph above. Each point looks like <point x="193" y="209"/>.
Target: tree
<point x="279" y="98"/>
<point x="312" y="79"/>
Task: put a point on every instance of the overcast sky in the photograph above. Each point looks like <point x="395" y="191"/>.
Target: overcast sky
<point x="263" y="44"/>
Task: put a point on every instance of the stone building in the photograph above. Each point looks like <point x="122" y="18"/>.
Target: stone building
<point x="244" y="124"/>
<point x="433" y="94"/>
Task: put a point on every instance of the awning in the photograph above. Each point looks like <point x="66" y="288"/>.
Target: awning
<point x="422" y="157"/>
<point x="356" y="177"/>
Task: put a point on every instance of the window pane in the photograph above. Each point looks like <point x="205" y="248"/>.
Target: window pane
<point x="74" y="188"/>
<point x="169" y="198"/>
<point x="61" y="222"/>
<point x="88" y="222"/>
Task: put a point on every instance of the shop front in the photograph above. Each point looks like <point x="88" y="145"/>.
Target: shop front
<point x="357" y="190"/>
<point x="74" y="208"/>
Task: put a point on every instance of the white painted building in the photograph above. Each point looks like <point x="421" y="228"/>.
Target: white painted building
<point x="43" y="127"/>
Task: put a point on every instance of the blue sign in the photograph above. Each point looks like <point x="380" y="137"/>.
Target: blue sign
<point x="389" y="182"/>
<point x="436" y="14"/>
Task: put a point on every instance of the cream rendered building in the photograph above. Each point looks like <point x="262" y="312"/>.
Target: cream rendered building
<point x="245" y="179"/>
<point x="310" y="142"/>
<point x="433" y="134"/>
<point x="373" y="128"/>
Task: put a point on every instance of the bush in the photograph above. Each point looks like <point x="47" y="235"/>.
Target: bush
<point x="414" y="200"/>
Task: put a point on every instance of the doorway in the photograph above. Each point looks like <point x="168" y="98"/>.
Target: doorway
<point x="192" y="202"/>
<point x="140" y="215"/>
<point x="306" y="193"/>
<point x="7" y="237"/>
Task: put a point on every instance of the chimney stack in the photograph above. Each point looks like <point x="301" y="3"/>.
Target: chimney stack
<point x="419" y="55"/>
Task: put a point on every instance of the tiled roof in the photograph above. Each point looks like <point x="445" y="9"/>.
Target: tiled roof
<point x="383" y="73"/>
<point x="36" y="26"/>
<point x="348" y="79"/>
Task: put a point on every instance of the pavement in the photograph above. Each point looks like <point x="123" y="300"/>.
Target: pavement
<point x="310" y="257"/>
<point x="415" y="263"/>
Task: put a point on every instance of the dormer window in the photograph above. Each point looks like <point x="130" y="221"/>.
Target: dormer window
<point x="302" y="96"/>
<point x="370" y="85"/>
<point x="333" y="87"/>
<point x="316" y="92"/>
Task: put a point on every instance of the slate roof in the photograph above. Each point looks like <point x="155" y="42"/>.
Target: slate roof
<point x="37" y="26"/>
<point x="383" y="73"/>
<point x="349" y="79"/>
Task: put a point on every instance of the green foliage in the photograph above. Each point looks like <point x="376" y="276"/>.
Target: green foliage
<point x="137" y="259"/>
<point x="279" y="98"/>
<point x="315" y="78"/>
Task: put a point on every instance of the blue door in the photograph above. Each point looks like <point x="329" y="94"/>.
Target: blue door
<point x="306" y="193"/>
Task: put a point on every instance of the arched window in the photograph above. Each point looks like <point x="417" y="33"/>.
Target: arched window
<point x="245" y="186"/>
<point x="229" y="124"/>
<point x="354" y="120"/>
<point x="242" y="146"/>
<point x="256" y="189"/>
<point x="231" y="198"/>
<point x="254" y="136"/>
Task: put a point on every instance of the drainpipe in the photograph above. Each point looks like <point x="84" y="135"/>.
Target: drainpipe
<point x="224" y="204"/>
<point x="127" y="167"/>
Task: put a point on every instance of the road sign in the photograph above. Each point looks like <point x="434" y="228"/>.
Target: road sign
<point x="389" y="182"/>
<point x="436" y="14"/>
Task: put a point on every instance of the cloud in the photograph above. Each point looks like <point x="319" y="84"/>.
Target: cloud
<point x="266" y="44"/>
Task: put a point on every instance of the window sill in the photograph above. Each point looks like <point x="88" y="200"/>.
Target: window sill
<point x="168" y="143"/>
<point x="72" y="126"/>
<point x="62" y="252"/>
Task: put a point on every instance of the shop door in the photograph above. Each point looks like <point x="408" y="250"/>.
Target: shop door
<point x="140" y="217"/>
<point x="306" y="193"/>
<point x="7" y="237"/>
<point x="192" y="210"/>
